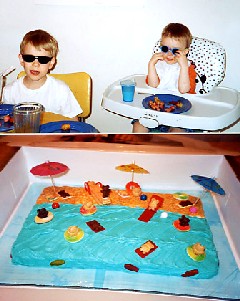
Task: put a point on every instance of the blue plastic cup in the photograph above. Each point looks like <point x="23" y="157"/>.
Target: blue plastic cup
<point x="128" y="90"/>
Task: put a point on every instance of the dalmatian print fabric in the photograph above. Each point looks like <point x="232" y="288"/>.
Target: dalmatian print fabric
<point x="209" y="59"/>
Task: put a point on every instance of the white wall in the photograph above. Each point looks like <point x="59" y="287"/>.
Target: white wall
<point x="111" y="42"/>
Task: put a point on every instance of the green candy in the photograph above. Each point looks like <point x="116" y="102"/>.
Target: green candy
<point x="180" y="196"/>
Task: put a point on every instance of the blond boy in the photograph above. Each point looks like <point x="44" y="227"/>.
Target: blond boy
<point x="38" y="55"/>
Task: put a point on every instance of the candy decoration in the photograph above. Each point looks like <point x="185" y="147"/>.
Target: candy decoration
<point x="55" y="205"/>
<point x="87" y="187"/>
<point x="193" y="209"/>
<point x="154" y="204"/>
<point x="196" y="252"/>
<point x="147" y="248"/>
<point x="88" y="209"/>
<point x="180" y="196"/>
<point x="164" y="215"/>
<point x="95" y="226"/>
<point x="43" y="216"/>
<point x="57" y="262"/>
<point x="184" y="204"/>
<point x="190" y="273"/>
<point x="73" y="234"/>
<point x="63" y="194"/>
<point x="182" y="224"/>
<point x="131" y="267"/>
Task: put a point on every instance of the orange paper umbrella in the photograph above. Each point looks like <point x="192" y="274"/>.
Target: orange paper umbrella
<point x="133" y="168"/>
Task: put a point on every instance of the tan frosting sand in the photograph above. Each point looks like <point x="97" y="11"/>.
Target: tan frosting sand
<point x="79" y="195"/>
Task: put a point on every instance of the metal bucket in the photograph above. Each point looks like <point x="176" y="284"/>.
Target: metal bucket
<point x="27" y="117"/>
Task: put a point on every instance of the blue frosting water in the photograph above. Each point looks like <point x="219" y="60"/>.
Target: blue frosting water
<point x="39" y="244"/>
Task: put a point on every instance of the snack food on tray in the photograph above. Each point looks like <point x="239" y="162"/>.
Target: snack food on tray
<point x="161" y="106"/>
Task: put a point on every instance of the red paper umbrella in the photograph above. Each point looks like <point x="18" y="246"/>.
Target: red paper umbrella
<point x="49" y="169"/>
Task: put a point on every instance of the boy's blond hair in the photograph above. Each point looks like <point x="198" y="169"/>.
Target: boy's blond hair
<point x="41" y="40"/>
<point x="177" y="31"/>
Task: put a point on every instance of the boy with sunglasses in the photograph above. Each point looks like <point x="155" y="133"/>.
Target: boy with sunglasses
<point x="38" y="52"/>
<point x="169" y="67"/>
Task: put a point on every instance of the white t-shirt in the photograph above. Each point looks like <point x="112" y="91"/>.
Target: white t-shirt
<point x="54" y="95"/>
<point x="168" y="74"/>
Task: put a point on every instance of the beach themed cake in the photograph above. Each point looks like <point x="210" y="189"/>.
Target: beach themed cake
<point x="130" y="230"/>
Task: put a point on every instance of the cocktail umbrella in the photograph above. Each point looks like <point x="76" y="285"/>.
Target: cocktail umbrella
<point x="49" y="169"/>
<point x="209" y="184"/>
<point x="133" y="168"/>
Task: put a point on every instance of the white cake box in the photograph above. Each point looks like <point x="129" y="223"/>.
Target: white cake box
<point x="167" y="172"/>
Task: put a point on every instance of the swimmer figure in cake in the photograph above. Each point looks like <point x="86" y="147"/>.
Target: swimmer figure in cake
<point x="196" y="252"/>
<point x="73" y="234"/>
<point x="88" y="209"/>
<point x="182" y="224"/>
<point x="43" y="216"/>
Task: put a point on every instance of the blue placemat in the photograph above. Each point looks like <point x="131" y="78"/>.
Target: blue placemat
<point x="6" y="109"/>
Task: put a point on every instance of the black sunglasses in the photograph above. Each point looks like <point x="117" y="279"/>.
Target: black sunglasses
<point x="166" y="49"/>
<point x="42" y="59"/>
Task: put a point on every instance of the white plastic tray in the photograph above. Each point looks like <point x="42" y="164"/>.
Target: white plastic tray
<point x="169" y="172"/>
<point x="213" y="111"/>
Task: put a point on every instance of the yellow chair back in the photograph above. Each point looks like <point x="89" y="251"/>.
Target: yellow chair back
<point x="80" y="84"/>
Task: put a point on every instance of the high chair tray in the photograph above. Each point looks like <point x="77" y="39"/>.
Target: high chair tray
<point x="212" y="111"/>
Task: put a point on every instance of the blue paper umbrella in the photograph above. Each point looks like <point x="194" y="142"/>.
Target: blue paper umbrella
<point x="209" y="184"/>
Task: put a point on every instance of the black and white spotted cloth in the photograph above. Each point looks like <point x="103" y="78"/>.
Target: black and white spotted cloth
<point x="209" y="59"/>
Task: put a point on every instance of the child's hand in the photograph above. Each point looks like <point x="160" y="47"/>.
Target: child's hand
<point x="155" y="58"/>
<point x="182" y="58"/>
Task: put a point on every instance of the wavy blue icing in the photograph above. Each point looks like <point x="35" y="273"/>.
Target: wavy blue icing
<point x="39" y="244"/>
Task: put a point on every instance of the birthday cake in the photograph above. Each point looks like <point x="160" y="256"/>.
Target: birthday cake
<point x="99" y="227"/>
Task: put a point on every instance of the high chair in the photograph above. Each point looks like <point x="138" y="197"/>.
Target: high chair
<point x="209" y="59"/>
<point x="212" y="108"/>
<point x="80" y="84"/>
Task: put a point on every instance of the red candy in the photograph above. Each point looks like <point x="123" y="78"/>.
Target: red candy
<point x="55" y="205"/>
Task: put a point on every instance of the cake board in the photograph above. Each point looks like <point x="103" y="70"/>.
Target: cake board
<point x="107" y="279"/>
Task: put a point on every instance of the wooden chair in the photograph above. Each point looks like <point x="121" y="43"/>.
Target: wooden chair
<point x="80" y="84"/>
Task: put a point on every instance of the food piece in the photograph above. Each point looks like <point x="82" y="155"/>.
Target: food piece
<point x="66" y="127"/>
<point x="73" y="234"/>
<point x="182" y="224"/>
<point x="196" y="252"/>
<point x="57" y="262"/>
<point x="88" y="209"/>
<point x="95" y="226"/>
<point x="190" y="273"/>
<point x="180" y="196"/>
<point x="147" y="248"/>
<point x="131" y="267"/>
<point x="184" y="204"/>
<point x="63" y="194"/>
<point x="43" y="216"/>
<point x="55" y="205"/>
<point x="154" y="204"/>
<point x="156" y="104"/>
